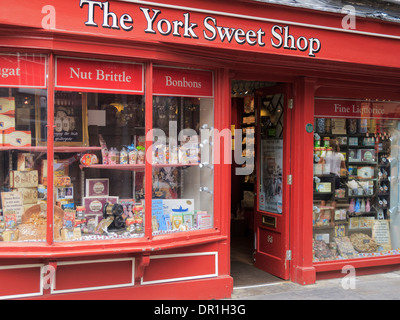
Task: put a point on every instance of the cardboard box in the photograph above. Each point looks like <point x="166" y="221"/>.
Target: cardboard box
<point x="354" y="155"/>
<point x="204" y="220"/>
<point x="7" y="122"/>
<point x="176" y="221"/>
<point x="182" y="206"/>
<point x="7" y="105"/>
<point x="70" y="234"/>
<point x="23" y="179"/>
<point x="324" y="187"/>
<point x="97" y="187"/>
<point x="61" y="168"/>
<point x="61" y="181"/>
<point x="43" y="172"/>
<point x="25" y="161"/>
<point x="10" y="235"/>
<point x="95" y="205"/>
<point x="367" y="155"/>
<point x="29" y="195"/>
<point x="12" y="138"/>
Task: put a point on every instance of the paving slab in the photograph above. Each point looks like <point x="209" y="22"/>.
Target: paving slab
<point x="385" y="286"/>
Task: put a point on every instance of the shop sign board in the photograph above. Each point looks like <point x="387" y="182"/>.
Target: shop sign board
<point x="336" y="108"/>
<point x="23" y="71"/>
<point x="154" y="22"/>
<point x="74" y="74"/>
<point x="182" y="82"/>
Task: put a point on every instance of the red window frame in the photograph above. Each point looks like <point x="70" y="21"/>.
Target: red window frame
<point x="149" y="242"/>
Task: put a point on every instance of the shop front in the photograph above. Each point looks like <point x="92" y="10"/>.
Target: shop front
<point x="117" y="155"/>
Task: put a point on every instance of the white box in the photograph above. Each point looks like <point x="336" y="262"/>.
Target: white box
<point x="171" y="206"/>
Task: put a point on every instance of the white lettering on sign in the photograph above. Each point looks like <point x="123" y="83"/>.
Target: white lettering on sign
<point x="375" y="110"/>
<point x="101" y="75"/>
<point x="156" y="23"/>
<point x="108" y="16"/>
<point x="339" y="108"/>
<point x="183" y="83"/>
<point x="116" y="77"/>
<point x="239" y="35"/>
<point x="289" y="42"/>
<point x="6" y="72"/>
<point x="76" y="73"/>
<point x="165" y="27"/>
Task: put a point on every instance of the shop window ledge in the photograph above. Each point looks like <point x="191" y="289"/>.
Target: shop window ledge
<point x="362" y="262"/>
<point x="86" y="248"/>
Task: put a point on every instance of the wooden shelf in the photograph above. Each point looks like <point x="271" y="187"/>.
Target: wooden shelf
<point x="56" y="149"/>
<point x="130" y="167"/>
<point x="135" y="167"/>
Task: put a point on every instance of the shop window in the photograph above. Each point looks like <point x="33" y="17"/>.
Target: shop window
<point x="23" y="123"/>
<point x="99" y="133"/>
<point x="183" y="175"/>
<point x="100" y="189"/>
<point x="100" y="151"/>
<point x="356" y="171"/>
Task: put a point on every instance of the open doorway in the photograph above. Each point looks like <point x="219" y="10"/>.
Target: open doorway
<point x="246" y="111"/>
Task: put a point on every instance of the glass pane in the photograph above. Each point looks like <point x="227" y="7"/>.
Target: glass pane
<point x="99" y="123"/>
<point x="356" y="187"/>
<point x="271" y="153"/>
<point x="23" y="120"/>
<point x="183" y="175"/>
<point x="99" y="179"/>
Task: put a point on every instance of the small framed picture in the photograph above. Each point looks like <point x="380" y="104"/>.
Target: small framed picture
<point x="64" y="193"/>
<point x="353" y="141"/>
<point x="342" y="140"/>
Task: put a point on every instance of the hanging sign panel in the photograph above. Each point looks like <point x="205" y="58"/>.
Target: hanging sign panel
<point x="182" y="82"/>
<point x="99" y="75"/>
<point x="335" y="108"/>
<point x="23" y="71"/>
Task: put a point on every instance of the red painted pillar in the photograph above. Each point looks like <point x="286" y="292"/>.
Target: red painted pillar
<point x="222" y="171"/>
<point x="50" y="149"/>
<point x="302" y="270"/>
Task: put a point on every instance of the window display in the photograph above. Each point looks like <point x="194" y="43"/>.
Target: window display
<point x="100" y="150"/>
<point x="100" y="189"/>
<point x="23" y="114"/>
<point x="356" y="188"/>
<point x="182" y="164"/>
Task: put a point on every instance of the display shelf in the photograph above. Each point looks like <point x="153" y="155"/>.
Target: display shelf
<point x="371" y="185"/>
<point x="168" y="165"/>
<point x="362" y="214"/>
<point x="130" y="167"/>
<point x="136" y="167"/>
<point x="361" y="179"/>
<point x="366" y="163"/>
<point x="56" y="149"/>
<point x="323" y="193"/>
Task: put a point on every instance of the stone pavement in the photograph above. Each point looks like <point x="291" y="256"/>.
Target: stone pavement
<point x="384" y="286"/>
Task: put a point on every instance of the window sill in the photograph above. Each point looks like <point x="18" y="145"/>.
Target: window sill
<point x="100" y="247"/>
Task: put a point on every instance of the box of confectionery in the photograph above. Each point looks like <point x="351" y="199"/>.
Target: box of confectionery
<point x="24" y="179"/>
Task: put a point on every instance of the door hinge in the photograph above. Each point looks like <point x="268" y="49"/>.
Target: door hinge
<point x="289" y="179"/>
<point x="290" y="103"/>
<point x="288" y="255"/>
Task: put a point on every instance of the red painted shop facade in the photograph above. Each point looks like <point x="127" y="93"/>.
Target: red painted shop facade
<point x="170" y="132"/>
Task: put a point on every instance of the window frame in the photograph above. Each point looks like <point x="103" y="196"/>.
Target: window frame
<point x="149" y="241"/>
